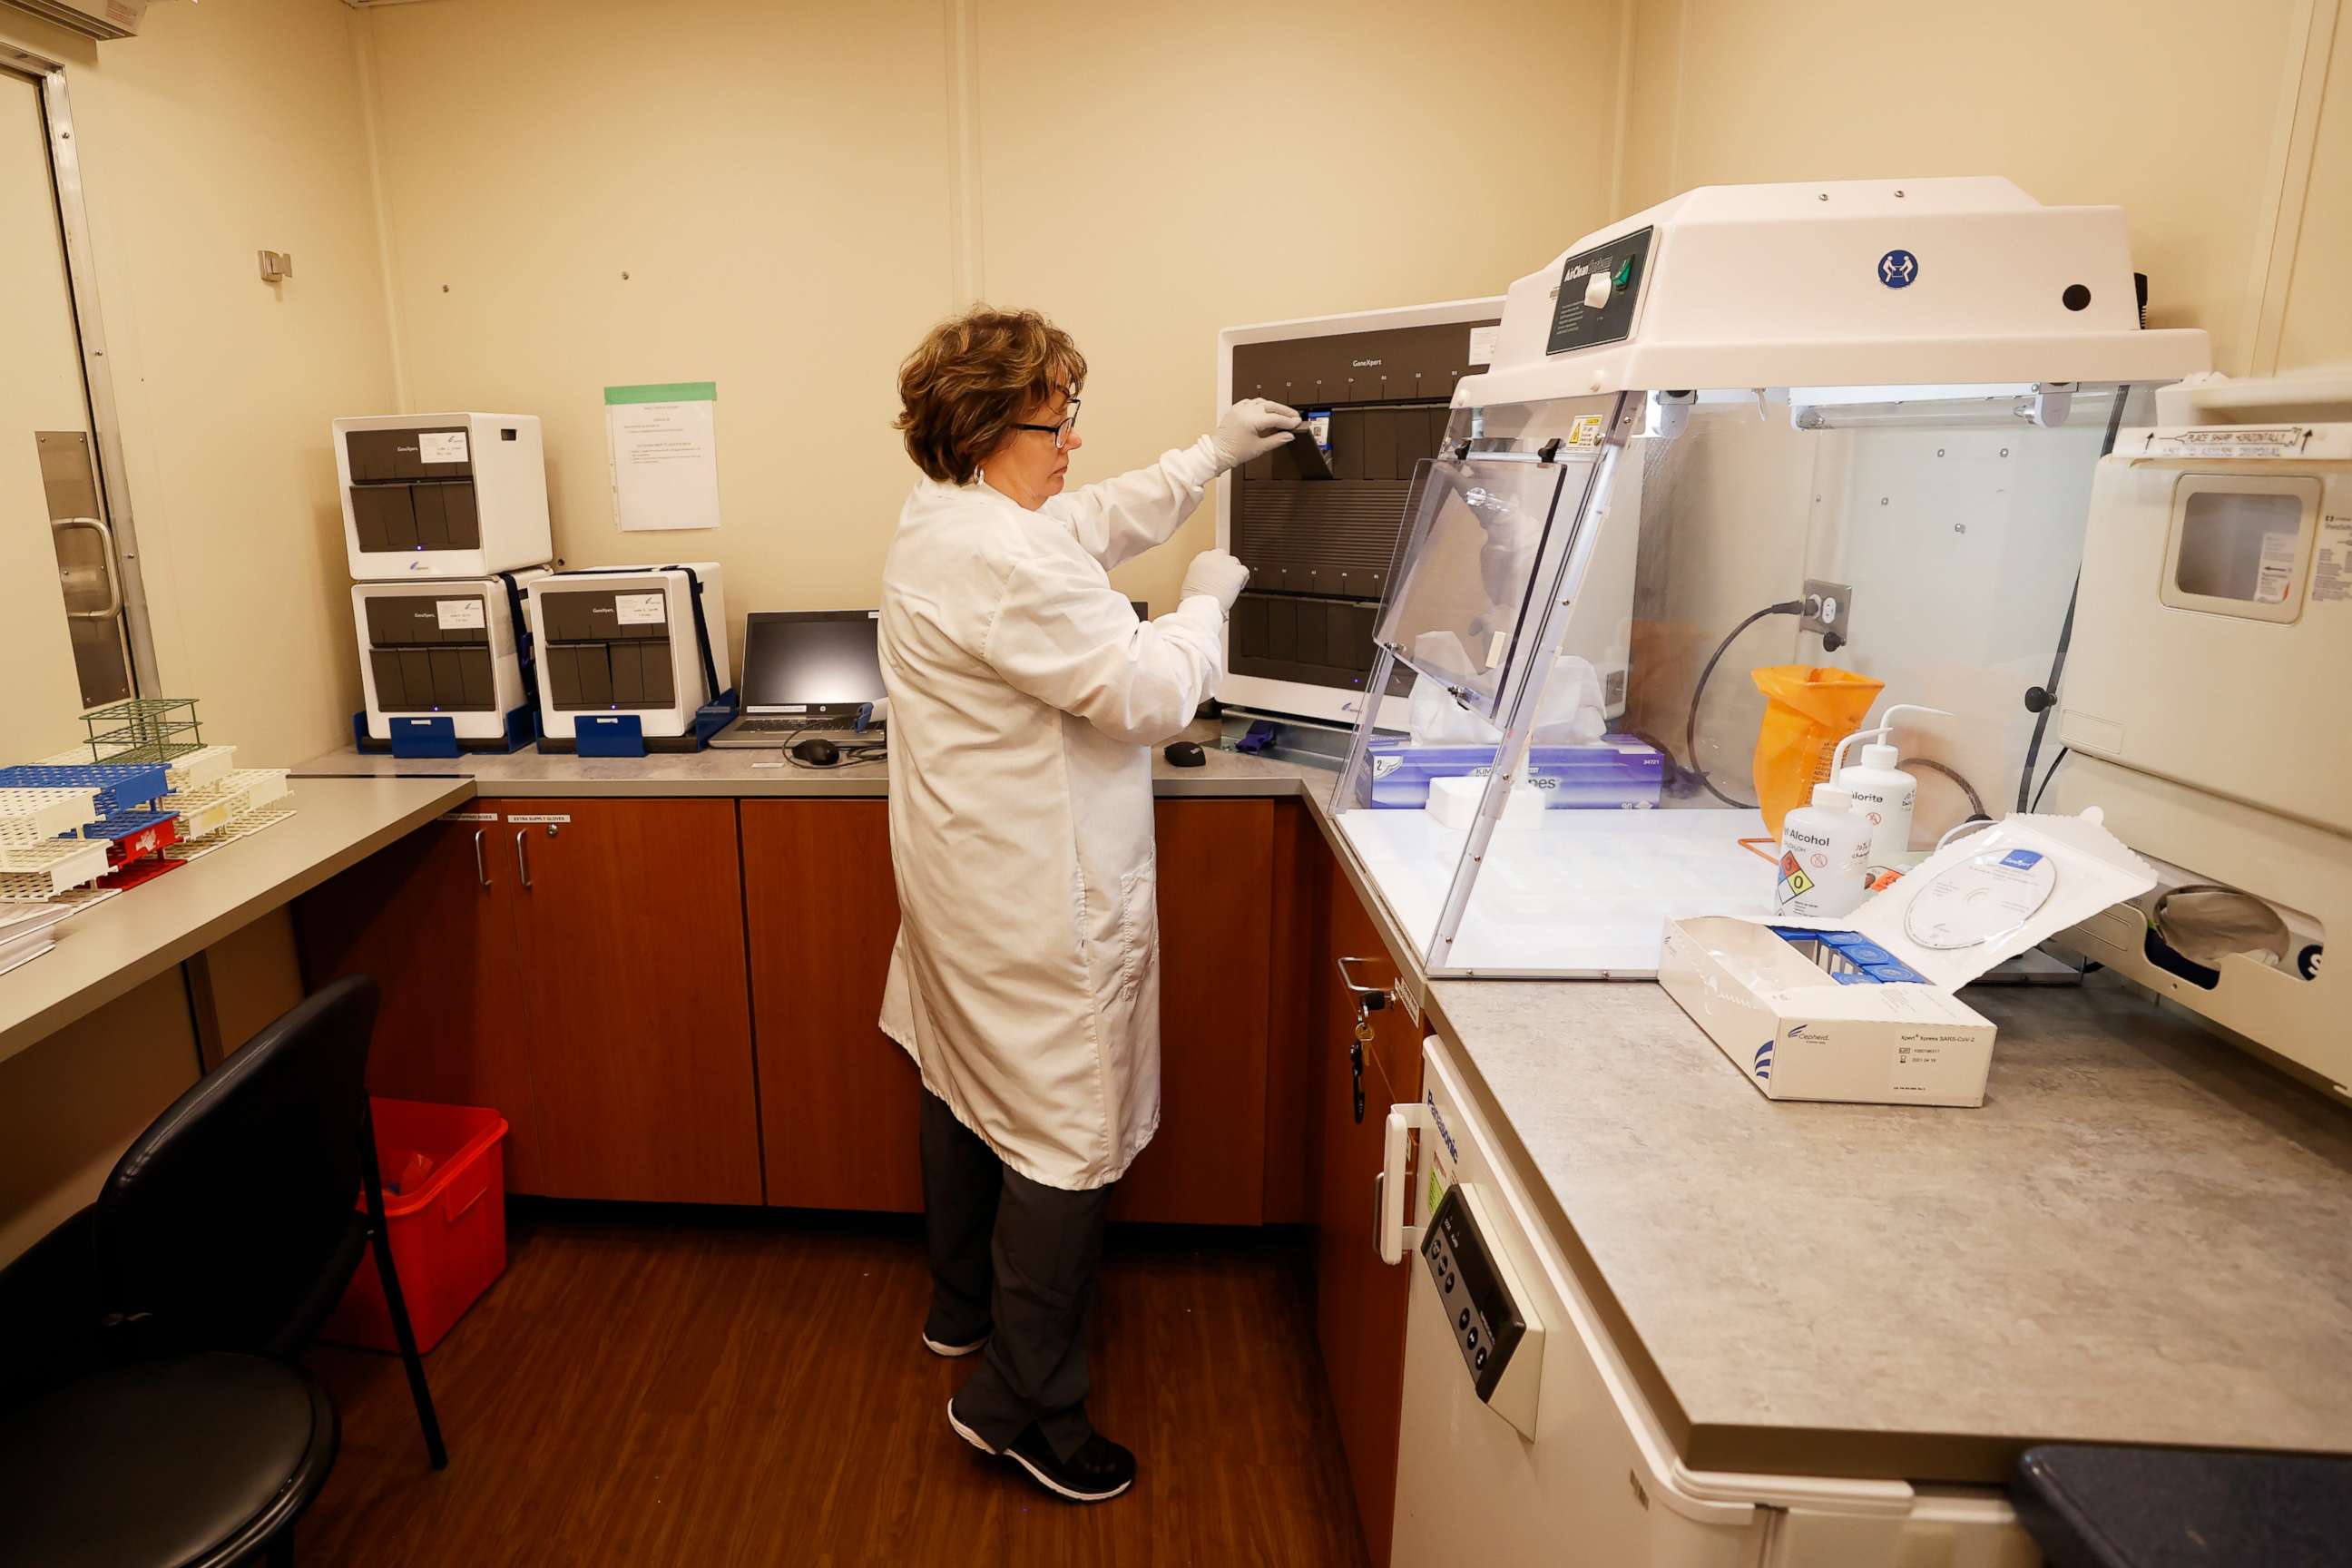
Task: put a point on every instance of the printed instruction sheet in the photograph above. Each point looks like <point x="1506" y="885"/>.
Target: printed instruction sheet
<point x="663" y="439"/>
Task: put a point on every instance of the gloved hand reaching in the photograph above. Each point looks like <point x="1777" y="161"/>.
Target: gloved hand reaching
<point x="1252" y="428"/>
<point x="1217" y="574"/>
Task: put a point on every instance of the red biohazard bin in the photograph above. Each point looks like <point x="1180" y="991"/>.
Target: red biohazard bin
<point x="448" y="1235"/>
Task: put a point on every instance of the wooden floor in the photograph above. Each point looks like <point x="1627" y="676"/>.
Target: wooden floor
<point x="656" y="1387"/>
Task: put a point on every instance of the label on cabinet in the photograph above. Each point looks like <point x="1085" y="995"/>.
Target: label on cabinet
<point x="537" y="816"/>
<point x="471" y="817"/>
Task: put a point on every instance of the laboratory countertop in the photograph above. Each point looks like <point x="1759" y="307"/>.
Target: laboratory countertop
<point x="531" y="773"/>
<point x="105" y="950"/>
<point x="2138" y="1239"/>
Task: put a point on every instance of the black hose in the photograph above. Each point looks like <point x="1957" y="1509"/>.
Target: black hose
<point x="2052" y="773"/>
<point x="1976" y="801"/>
<point x="1690" y="728"/>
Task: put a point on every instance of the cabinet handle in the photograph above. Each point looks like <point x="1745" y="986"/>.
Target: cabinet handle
<point x="522" y="856"/>
<point x="481" y="868"/>
<point x="1368" y="998"/>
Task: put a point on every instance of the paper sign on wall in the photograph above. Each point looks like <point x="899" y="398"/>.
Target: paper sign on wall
<point x="663" y="442"/>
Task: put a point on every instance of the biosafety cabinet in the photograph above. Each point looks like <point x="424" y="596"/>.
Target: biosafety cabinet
<point x="1761" y="461"/>
<point x="441" y="495"/>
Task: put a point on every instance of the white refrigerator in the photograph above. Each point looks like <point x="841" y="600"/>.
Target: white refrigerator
<point x="1526" y="1439"/>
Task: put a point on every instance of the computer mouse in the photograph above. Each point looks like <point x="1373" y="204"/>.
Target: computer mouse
<point x="817" y="751"/>
<point x="1185" y="755"/>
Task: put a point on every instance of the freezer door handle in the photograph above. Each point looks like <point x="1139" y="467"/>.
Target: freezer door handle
<point x="1392" y="1236"/>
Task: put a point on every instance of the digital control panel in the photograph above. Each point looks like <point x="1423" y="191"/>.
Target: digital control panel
<point x="1487" y="1321"/>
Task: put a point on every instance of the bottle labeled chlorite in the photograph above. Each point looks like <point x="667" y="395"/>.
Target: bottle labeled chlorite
<point x="1883" y="792"/>
<point x="1824" y="866"/>
<point x="1884" y="796"/>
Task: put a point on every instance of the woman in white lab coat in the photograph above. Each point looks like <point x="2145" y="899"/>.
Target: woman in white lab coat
<point x="1024" y="698"/>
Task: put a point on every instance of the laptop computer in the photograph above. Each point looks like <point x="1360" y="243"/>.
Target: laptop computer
<point x="805" y="672"/>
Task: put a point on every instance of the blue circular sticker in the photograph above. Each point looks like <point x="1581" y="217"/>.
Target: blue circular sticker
<point x="1898" y="269"/>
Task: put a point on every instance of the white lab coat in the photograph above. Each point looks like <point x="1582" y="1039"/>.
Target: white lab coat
<point x="1025" y="699"/>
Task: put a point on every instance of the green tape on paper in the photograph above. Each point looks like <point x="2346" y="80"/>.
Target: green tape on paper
<point x="664" y="392"/>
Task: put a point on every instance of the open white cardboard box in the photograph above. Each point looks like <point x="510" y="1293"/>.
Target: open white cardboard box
<point x="1798" y="1034"/>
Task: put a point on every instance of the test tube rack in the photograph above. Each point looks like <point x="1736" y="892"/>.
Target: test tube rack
<point x="141" y="796"/>
<point x="144" y="729"/>
<point x="67" y="825"/>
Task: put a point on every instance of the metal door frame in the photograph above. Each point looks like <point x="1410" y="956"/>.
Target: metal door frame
<point x="96" y="369"/>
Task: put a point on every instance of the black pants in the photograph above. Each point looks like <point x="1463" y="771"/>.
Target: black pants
<point x="1015" y="1259"/>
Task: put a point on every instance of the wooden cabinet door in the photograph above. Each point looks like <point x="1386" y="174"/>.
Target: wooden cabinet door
<point x="629" y="924"/>
<point x="840" y="1100"/>
<point x="1299" y="952"/>
<point x="1359" y="1301"/>
<point x="1206" y="1165"/>
<point x="429" y="917"/>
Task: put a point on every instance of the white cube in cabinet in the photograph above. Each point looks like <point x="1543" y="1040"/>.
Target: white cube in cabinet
<point x="441" y="495"/>
<point x="622" y="640"/>
<point x="440" y="646"/>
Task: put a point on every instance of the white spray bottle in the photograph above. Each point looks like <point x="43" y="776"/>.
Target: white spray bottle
<point x="1883" y="792"/>
<point x="1824" y="856"/>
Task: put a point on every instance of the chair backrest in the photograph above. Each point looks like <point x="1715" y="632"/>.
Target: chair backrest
<point x="217" y="1222"/>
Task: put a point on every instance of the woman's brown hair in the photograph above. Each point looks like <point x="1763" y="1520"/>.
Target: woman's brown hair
<point x="970" y="379"/>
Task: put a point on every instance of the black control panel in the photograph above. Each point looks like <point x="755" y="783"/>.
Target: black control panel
<point x="1589" y="313"/>
<point x="1486" y="1321"/>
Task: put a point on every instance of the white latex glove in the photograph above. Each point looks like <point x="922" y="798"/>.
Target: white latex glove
<point x="1217" y="574"/>
<point x="1252" y="428"/>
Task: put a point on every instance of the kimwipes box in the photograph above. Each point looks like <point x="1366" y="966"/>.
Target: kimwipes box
<point x="1862" y="1009"/>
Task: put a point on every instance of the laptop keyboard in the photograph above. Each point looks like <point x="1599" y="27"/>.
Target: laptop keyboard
<point x="795" y="727"/>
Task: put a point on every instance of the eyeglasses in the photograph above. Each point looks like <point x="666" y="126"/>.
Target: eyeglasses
<point x="1060" y="433"/>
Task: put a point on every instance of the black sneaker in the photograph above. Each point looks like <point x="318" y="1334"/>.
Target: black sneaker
<point x="1098" y="1472"/>
<point x="955" y="1345"/>
<point x="967" y="1433"/>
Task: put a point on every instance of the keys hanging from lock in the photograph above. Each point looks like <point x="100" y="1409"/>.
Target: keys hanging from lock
<point x="1356" y="1055"/>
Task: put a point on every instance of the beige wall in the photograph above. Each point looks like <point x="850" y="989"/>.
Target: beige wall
<point x="772" y="180"/>
<point x="2180" y="112"/>
<point x="220" y="130"/>
<point x="1150" y="174"/>
<point x="781" y="184"/>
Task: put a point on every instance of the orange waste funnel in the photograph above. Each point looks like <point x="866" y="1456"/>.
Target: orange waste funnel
<point x="1808" y="710"/>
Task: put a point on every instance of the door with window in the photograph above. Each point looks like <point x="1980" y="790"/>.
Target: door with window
<point x="61" y="630"/>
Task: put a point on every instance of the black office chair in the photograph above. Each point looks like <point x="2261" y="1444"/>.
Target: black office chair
<point x="199" y="1461"/>
<point x="228" y="1225"/>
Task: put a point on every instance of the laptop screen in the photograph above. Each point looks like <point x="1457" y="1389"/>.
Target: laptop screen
<point x="810" y="661"/>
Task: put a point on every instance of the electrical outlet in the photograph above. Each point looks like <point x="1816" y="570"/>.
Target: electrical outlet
<point x="1828" y="608"/>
